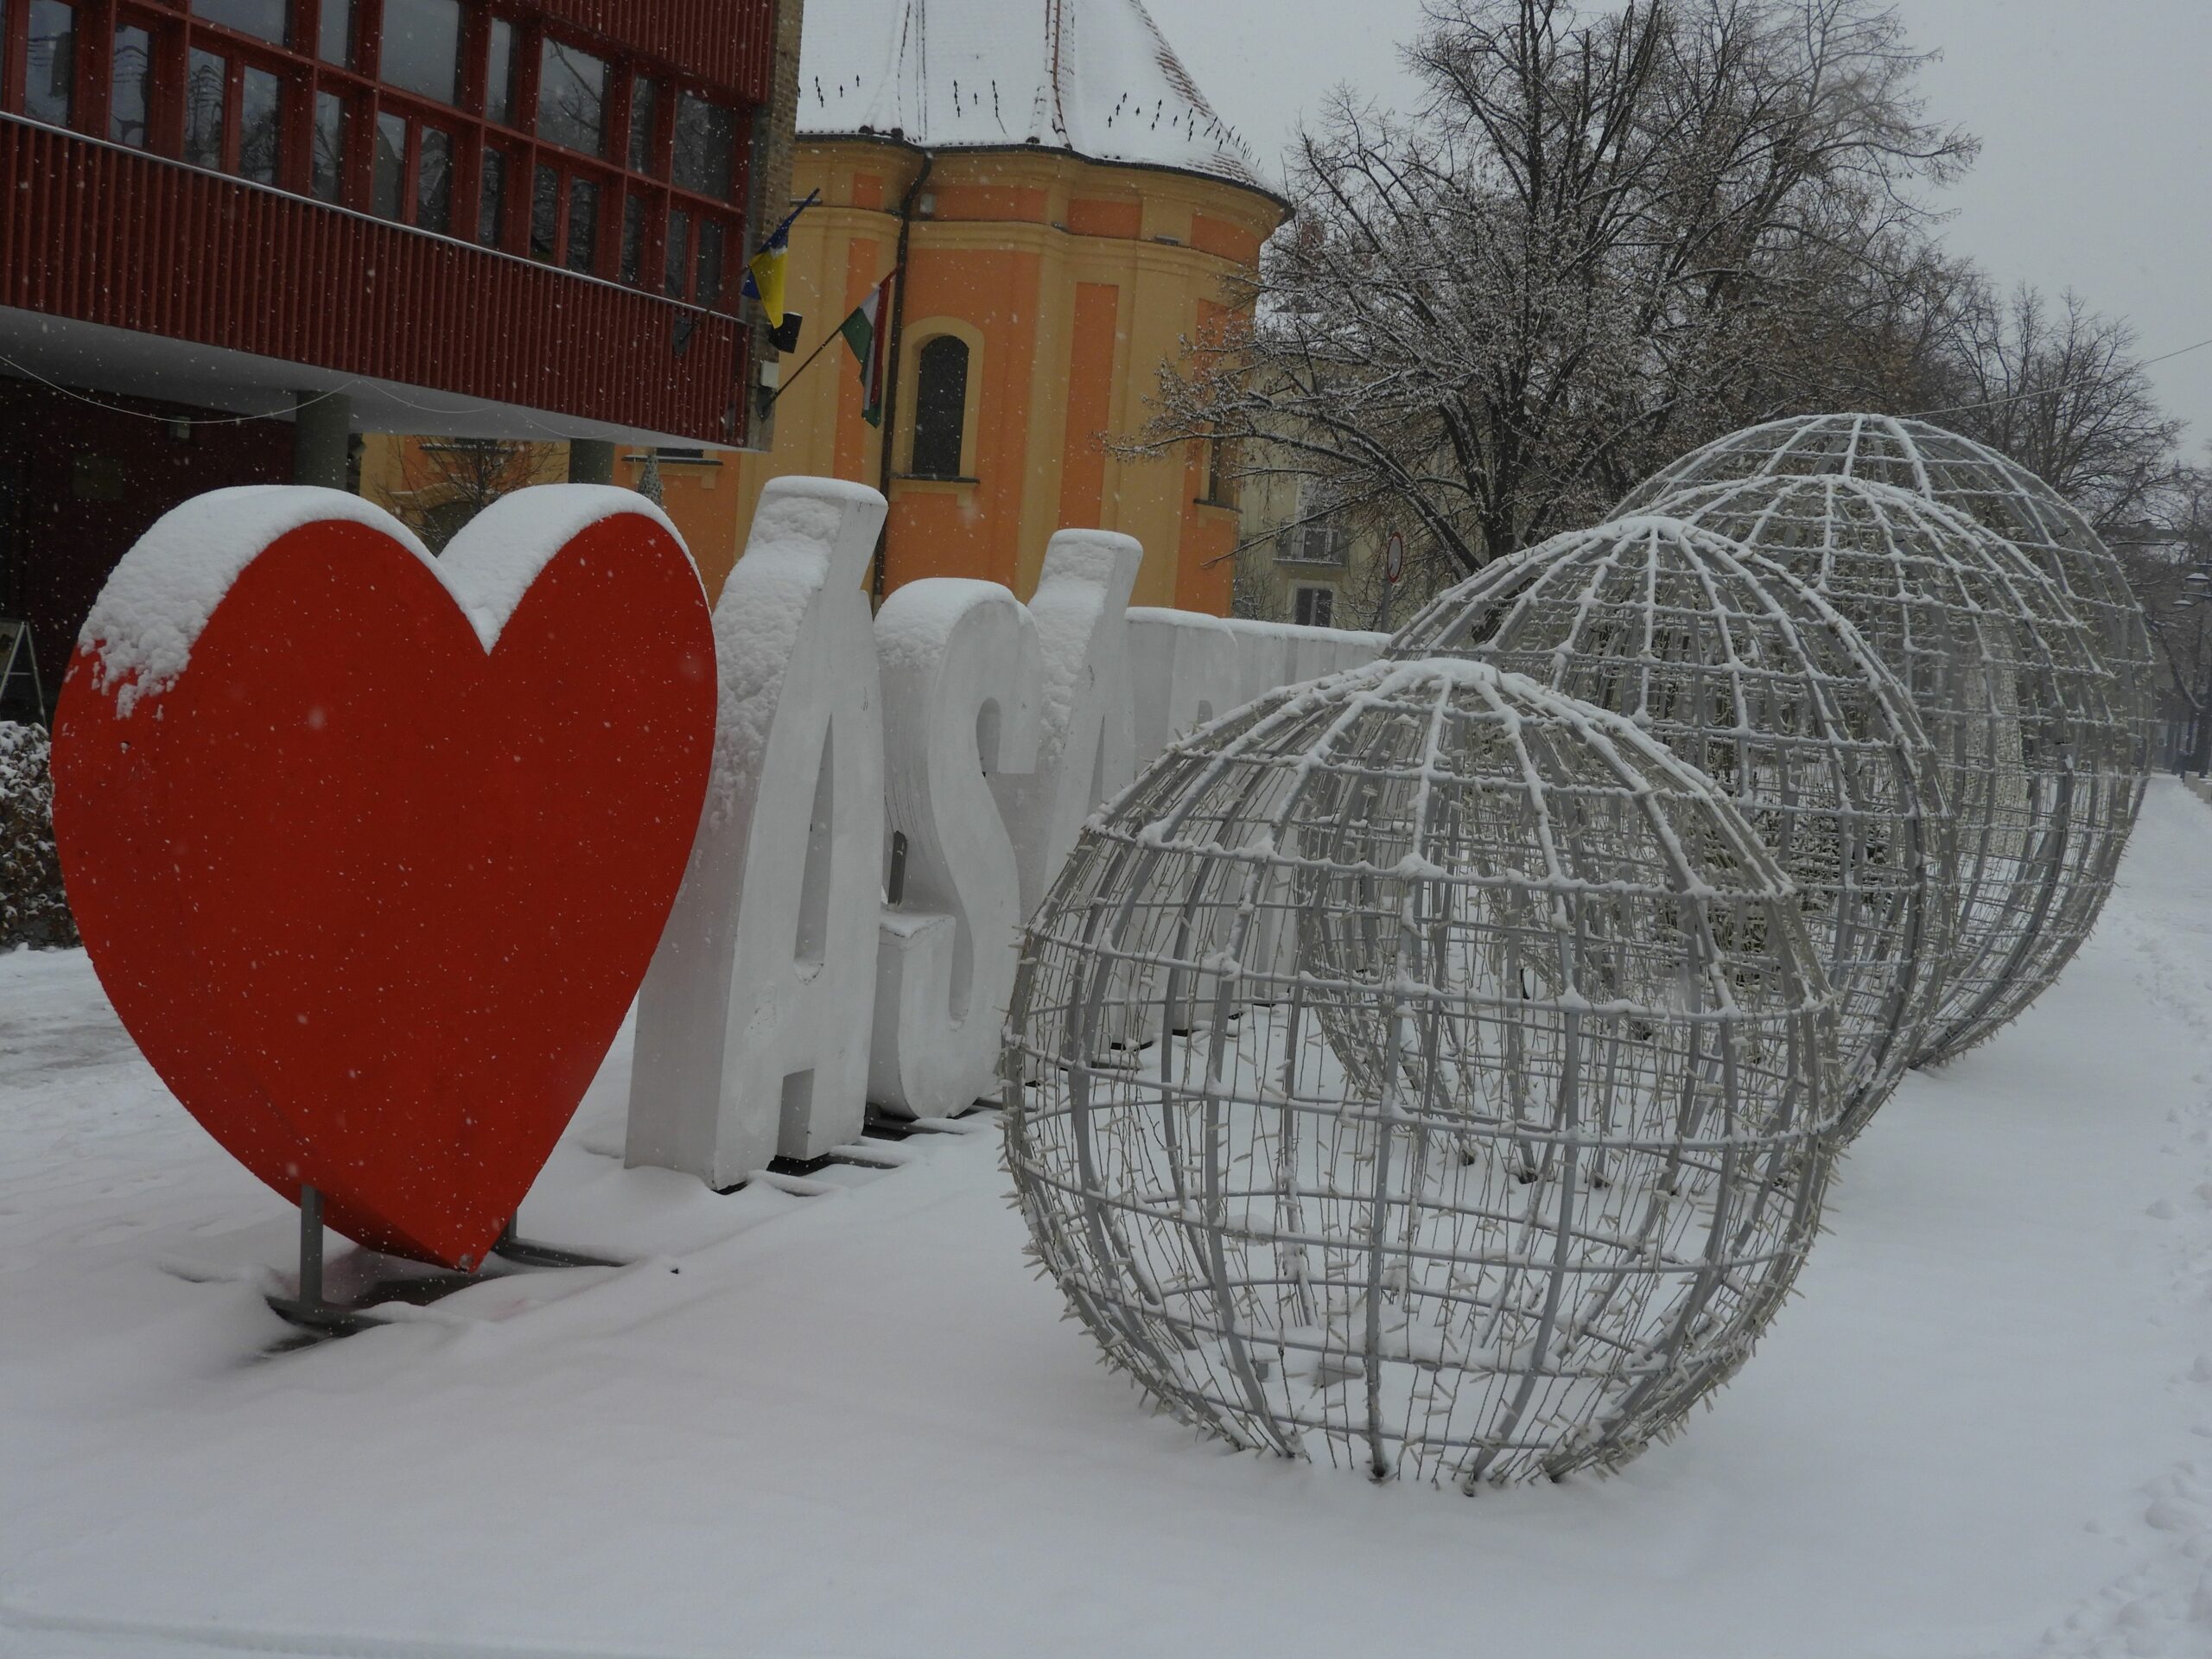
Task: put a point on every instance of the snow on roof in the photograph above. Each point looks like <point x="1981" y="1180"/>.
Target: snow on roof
<point x="1094" y="77"/>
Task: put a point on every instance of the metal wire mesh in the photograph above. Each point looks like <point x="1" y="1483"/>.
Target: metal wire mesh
<point x="1509" y="1197"/>
<point x="1760" y="683"/>
<point x="2006" y="680"/>
<point x="1993" y="490"/>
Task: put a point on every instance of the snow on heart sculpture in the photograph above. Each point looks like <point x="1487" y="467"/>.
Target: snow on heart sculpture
<point x="371" y="849"/>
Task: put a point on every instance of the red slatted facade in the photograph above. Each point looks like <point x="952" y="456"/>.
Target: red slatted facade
<point x="105" y="235"/>
<point x="731" y="44"/>
<point x="129" y="236"/>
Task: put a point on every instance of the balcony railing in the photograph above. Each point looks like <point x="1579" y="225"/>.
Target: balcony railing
<point x="1314" y="544"/>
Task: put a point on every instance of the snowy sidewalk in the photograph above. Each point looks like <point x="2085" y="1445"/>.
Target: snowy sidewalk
<point x="852" y="1423"/>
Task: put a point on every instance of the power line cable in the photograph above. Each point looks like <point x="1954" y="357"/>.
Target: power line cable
<point x="172" y="420"/>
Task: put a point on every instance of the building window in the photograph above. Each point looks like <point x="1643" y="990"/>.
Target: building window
<point x="336" y="44"/>
<point x="377" y="108"/>
<point x="252" y="144"/>
<point x="1316" y="607"/>
<point x="263" y="19"/>
<point x="388" y="190"/>
<point x="544" y="214"/>
<point x="261" y="118"/>
<point x="206" y="80"/>
<point x="678" y="268"/>
<point x="940" y="407"/>
<point x="571" y="97"/>
<point x="421" y="46"/>
<point x="128" y="83"/>
<point x="329" y="180"/>
<point x="583" y="225"/>
<point x="709" y="291"/>
<point x="492" y="200"/>
<point x="499" y="73"/>
<point x="633" y="239"/>
<point x="706" y="147"/>
<point x="53" y="61"/>
<point x="433" y="181"/>
<point x="645" y="101"/>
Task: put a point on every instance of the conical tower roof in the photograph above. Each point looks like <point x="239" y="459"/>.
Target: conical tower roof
<point x="1095" y="78"/>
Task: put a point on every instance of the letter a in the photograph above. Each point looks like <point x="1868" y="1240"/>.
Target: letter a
<point x="753" y="1023"/>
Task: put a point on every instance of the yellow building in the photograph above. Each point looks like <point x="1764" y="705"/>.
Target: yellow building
<point x="1069" y="209"/>
<point x="435" y="485"/>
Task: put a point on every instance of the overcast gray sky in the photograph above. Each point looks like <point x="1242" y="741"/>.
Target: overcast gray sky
<point x="2096" y="118"/>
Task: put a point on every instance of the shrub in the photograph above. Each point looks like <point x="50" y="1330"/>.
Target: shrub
<point x="33" y="910"/>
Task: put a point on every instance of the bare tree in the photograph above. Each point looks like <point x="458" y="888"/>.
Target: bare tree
<point x="2060" y="390"/>
<point x="445" y="482"/>
<point x="2168" y="554"/>
<point x="1597" y="242"/>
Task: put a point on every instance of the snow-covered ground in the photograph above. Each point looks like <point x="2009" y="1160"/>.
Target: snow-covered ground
<point x="847" y="1421"/>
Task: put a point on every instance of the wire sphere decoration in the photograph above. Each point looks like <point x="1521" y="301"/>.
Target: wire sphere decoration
<point x="2005" y="679"/>
<point x="1993" y="490"/>
<point x="1742" y="672"/>
<point x="1580" y="1183"/>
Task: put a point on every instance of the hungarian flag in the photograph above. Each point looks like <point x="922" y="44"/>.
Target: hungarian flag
<point x="864" y="332"/>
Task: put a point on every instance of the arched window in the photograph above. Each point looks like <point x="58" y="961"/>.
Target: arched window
<point x="940" y="407"/>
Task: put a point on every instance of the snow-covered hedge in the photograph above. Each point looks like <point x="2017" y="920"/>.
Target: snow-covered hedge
<point x="32" y="908"/>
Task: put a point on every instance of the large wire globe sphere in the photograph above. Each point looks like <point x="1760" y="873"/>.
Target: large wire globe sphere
<point x="2005" y="678"/>
<point x="1580" y="1179"/>
<point x="1991" y="488"/>
<point x="1739" y="669"/>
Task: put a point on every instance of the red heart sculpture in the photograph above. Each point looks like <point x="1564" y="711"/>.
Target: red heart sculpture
<point x="370" y="851"/>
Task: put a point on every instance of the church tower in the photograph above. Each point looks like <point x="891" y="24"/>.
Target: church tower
<point x="1067" y="210"/>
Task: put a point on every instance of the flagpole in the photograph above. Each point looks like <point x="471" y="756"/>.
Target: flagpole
<point x="890" y="345"/>
<point x="838" y="332"/>
<point x="834" y="334"/>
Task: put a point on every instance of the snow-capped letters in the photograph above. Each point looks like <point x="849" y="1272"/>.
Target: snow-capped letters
<point x="753" y="1028"/>
<point x="963" y="685"/>
<point x="371" y="849"/>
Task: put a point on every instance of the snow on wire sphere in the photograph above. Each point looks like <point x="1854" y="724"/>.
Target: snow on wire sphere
<point x="1508" y="1196"/>
<point x="2004" y="677"/>
<point x="1993" y="490"/>
<point x="1746" y="674"/>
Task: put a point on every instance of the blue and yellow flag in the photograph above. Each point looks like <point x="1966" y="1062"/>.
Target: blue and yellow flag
<point x="764" y="271"/>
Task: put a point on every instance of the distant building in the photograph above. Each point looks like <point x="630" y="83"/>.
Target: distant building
<point x="1302" y="562"/>
<point x="1068" y="208"/>
<point x="238" y="233"/>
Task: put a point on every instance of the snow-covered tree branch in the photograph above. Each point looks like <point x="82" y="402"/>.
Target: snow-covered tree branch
<point x="1601" y="238"/>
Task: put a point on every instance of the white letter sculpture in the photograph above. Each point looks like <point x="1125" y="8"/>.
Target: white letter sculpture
<point x="753" y="1023"/>
<point x="1183" y="669"/>
<point x="1087" y="751"/>
<point x="963" y="700"/>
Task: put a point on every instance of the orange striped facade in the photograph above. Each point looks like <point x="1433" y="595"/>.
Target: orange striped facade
<point x="1071" y="282"/>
